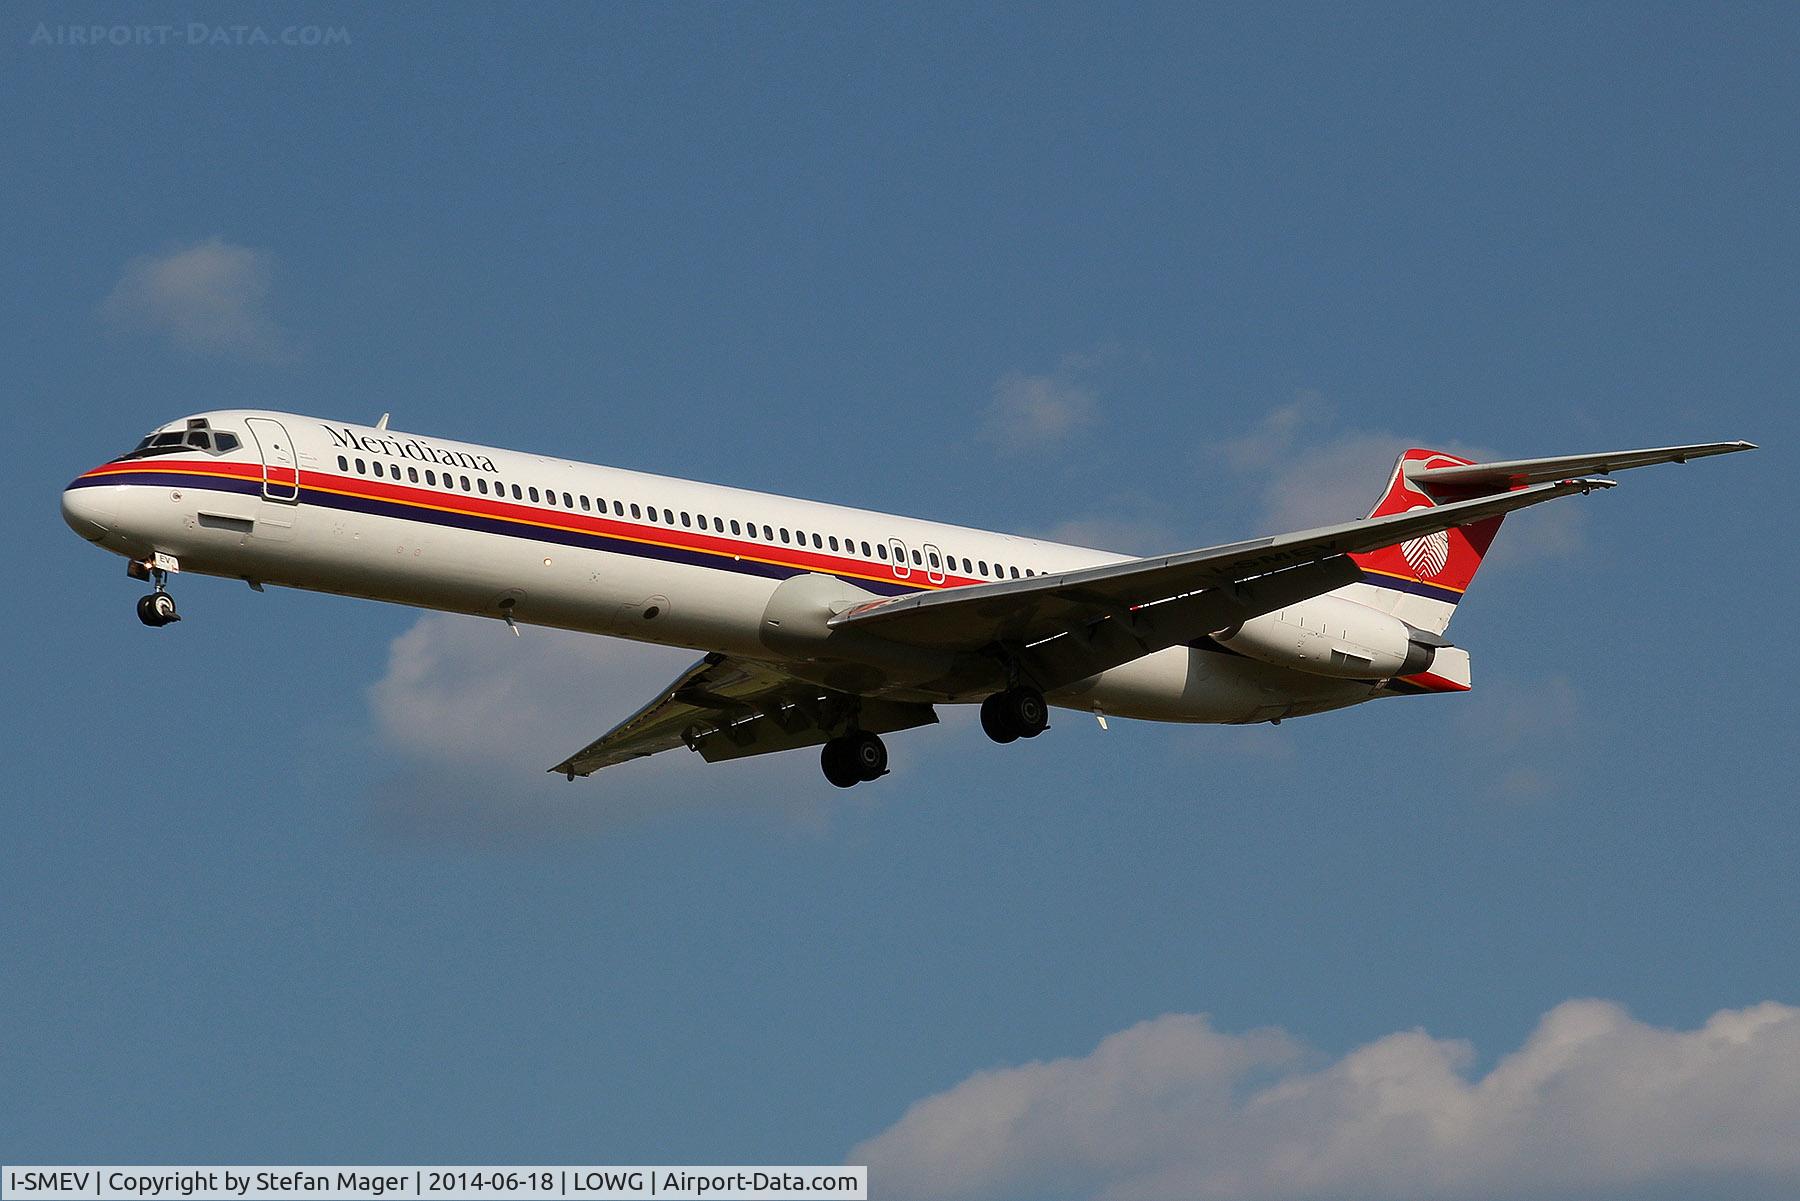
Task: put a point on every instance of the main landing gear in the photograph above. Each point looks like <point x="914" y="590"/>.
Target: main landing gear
<point x="1019" y="712"/>
<point x="157" y="609"/>
<point x="853" y="758"/>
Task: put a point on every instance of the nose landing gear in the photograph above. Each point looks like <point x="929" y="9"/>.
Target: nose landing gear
<point x="854" y="758"/>
<point x="157" y="609"/>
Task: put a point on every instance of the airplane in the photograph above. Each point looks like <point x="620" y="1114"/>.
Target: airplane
<point x="822" y="625"/>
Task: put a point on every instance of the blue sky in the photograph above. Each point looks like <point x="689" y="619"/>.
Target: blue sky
<point x="285" y="883"/>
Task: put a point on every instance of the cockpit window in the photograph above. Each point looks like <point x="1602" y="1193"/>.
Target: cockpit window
<point x="178" y="440"/>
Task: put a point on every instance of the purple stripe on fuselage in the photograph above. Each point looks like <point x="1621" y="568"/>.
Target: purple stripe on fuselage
<point x="482" y="523"/>
<point x="1415" y="587"/>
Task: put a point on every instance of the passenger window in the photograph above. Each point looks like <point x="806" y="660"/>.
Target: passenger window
<point x="634" y="509"/>
<point x="982" y="563"/>
<point x="1015" y="573"/>
<point x="650" y="512"/>
<point x="768" y="534"/>
<point x="685" y="520"/>
<point x="834" y="542"/>
<point x="584" y="504"/>
<point x="819" y="543"/>
<point x="534" y="494"/>
<point x="569" y="502"/>
<point x="619" y="509"/>
<point x="343" y="464"/>
<point x="784" y="534"/>
<point x="935" y="563"/>
<point x="917" y="562"/>
<point x="481" y="484"/>
<point x="465" y="483"/>
<point x="881" y="549"/>
<point x="517" y="495"/>
<point x="431" y="477"/>
<point x="967" y="569"/>
<point x="412" y="475"/>
<point x="719" y="524"/>
<point x="735" y="528"/>
<point x="865" y="550"/>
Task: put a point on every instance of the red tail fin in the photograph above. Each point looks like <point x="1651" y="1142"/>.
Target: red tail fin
<point x="1437" y="567"/>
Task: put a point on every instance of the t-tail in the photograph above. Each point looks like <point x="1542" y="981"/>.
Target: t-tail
<point x="1421" y="579"/>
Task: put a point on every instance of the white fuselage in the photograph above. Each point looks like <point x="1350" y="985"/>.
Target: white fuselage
<point x="370" y="512"/>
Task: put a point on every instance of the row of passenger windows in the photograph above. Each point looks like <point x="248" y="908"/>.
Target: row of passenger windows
<point x="748" y="529"/>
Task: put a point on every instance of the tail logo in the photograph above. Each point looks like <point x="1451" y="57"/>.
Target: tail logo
<point x="1428" y="553"/>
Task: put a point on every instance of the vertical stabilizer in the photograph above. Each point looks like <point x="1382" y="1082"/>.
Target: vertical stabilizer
<point x="1421" y="580"/>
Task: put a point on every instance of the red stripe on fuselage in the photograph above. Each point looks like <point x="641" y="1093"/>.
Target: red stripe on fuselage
<point x="522" y="513"/>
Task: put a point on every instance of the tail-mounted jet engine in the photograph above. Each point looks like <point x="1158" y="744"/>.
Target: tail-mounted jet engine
<point x="1331" y="636"/>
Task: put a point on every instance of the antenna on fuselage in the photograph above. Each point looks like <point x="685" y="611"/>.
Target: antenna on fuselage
<point x="382" y="424"/>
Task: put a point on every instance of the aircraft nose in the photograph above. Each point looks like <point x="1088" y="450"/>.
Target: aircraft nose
<point x="88" y="511"/>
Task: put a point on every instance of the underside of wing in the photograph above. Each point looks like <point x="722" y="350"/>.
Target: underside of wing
<point x="728" y="708"/>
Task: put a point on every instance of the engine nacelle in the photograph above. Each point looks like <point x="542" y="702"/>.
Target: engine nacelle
<point x="1331" y="636"/>
<point x="795" y="625"/>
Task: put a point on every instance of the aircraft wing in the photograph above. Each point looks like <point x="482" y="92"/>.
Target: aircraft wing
<point x="1042" y="607"/>
<point x="730" y="708"/>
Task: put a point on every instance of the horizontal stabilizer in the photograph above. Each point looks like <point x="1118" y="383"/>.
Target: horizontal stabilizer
<point x="1514" y="473"/>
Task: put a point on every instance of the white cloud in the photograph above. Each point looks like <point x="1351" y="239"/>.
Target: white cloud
<point x="1594" y="1102"/>
<point x="209" y="298"/>
<point x="475" y="716"/>
<point x="1122" y="535"/>
<point x="1036" y="412"/>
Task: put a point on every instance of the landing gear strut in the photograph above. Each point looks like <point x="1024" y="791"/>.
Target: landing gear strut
<point x="1019" y="712"/>
<point x="853" y="758"/>
<point x="157" y="609"/>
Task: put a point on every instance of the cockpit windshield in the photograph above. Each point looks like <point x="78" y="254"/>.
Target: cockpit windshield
<point x="196" y="437"/>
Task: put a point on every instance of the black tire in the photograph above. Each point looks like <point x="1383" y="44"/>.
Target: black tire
<point x="157" y="609"/>
<point x="835" y="761"/>
<point x="994" y="720"/>
<point x="868" y="754"/>
<point x="1030" y="715"/>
